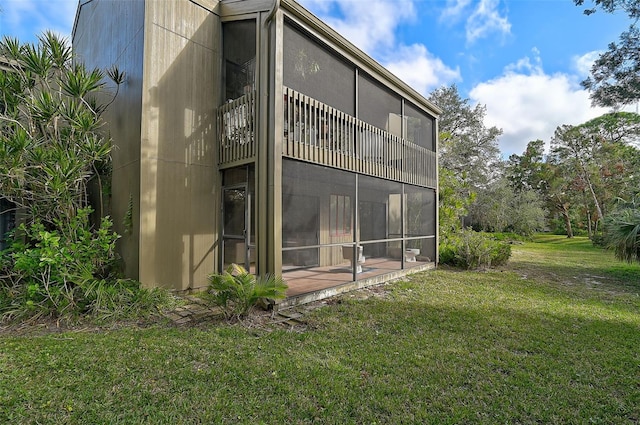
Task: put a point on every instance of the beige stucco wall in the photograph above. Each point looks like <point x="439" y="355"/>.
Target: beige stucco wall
<point x="109" y="33"/>
<point x="179" y="202"/>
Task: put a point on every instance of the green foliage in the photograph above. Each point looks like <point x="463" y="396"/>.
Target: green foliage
<point x="589" y="166"/>
<point x="614" y="79"/>
<point x="500" y="208"/>
<point x="63" y="272"/>
<point x="51" y="152"/>
<point x="527" y="171"/>
<point x="50" y="145"/>
<point x="237" y="291"/>
<point x="455" y="196"/>
<point x="467" y="147"/>
<point x="622" y="232"/>
<point x="474" y="250"/>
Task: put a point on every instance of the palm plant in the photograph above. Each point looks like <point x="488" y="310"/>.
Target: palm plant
<point x="51" y="147"/>
<point x="237" y="291"/>
<point x="623" y="231"/>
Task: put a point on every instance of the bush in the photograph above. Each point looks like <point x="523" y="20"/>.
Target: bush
<point x="66" y="271"/>
<point x="237" y="291"/>
<point x="474" y="250"/>
<point x="599" y="240"/>
<point x="623" y="233"/>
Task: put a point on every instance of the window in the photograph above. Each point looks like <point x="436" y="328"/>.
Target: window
<point x="340" y="218"/>
<point x="379" y="106"/>
<point x="318" y="72"/>
<point x="419" y="127"/>
<point x="239" y="50"/>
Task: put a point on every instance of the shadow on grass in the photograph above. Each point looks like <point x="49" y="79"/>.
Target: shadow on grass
<point x="395" y="360"/>
<point x="574" y="262"/>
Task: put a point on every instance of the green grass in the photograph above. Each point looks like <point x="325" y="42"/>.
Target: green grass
<point x="554" y="337"/>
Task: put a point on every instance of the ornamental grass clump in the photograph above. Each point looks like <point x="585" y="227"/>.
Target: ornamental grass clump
<point x="237" y="292"/>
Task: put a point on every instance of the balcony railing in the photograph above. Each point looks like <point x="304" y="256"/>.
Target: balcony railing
<point x="236" y="126"/>
<point x="317" y="133"/>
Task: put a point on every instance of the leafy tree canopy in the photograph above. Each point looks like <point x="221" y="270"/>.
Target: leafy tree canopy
<point x="615" y="75"/>
<point x="467" y="147"/>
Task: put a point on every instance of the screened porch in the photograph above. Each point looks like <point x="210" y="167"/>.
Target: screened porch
<point x="351" y="152"/>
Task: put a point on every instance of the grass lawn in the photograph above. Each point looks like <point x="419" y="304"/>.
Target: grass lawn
<point x="553" y="337"/>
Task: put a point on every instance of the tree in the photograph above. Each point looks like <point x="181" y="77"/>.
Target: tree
<point x="615" y="75"/>
<point x="454" y="202"/>
<point x="600" y="159"/>
<point x="50" y="144"/>
<point x="577" y="151"/>
<point x="527" y="171"/>
<point x="51" y="151"/>
<point x="547" y="178"/>
<point x="499" y="208"/>
<point x="469" y="156"/>
<point x="558" y="192"/>
<point x="467" y="147"/>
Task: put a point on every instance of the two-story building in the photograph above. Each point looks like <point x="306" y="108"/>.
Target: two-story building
<point x="251" y="132"/>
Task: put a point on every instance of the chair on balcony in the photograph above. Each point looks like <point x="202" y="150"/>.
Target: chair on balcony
<point x="347" y="254"/>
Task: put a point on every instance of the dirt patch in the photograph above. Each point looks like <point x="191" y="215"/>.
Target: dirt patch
<point x="193" y="312"/>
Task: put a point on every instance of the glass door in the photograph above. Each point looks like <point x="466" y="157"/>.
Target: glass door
<point x="236" y="231"/>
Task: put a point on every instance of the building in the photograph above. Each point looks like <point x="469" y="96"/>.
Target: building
<point x="251" y="132"/>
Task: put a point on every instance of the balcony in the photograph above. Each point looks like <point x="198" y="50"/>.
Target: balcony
<point x="236" y="123"/>
<point x="317" y="133"/>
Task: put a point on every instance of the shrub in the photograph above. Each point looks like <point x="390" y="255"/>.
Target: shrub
<point x="237" y="291"/>
<point x="623" y="233"/>
<point x="599" y="240"/>
<point x="65" y="271"/>
<point x="474" y="250"/>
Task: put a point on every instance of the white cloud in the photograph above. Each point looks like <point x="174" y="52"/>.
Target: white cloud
<point x="482" y="18"/>
<point x="454" y="10"/>
<point x="370" y="25"/>
<point x="526" y="64"/>
<point x="26" y="19"/>
<point x="582" y="64"/>
<point x="529" y="104"/>
<point x="420" y="69"/>
<point x="486" y="19"/>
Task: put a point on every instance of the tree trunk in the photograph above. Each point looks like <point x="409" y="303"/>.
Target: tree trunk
<point x="567" y="223"/>
<point x="593" y="193"/>
<point x="563" y="207"/>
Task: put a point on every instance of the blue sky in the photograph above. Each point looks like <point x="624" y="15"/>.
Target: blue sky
<point x="522" y="59"/>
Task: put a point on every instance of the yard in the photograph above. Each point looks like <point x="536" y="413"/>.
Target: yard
<point x="553" y="337"/>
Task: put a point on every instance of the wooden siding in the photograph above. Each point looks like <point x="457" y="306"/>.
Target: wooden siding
<point x="317" y="133"/>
